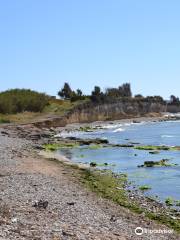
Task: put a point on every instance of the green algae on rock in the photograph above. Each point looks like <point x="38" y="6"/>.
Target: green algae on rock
<point x="106" y="184"/>
<point x="169" y="201"/>
<point x="150" y="147"/>
<point x="154" y="149"/>
<point x="56" y="146"/>
<point x="154" y="152"/>
<point x="144" y="187"/>
<point x="161" y="163"/>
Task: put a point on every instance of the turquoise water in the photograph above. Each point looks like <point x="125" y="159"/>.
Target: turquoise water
<point x="164" y="181"/>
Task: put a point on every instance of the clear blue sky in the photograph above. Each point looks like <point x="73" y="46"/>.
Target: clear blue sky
<point x="44" y="43"/>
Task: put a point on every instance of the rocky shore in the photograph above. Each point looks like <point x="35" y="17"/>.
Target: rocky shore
<point x="43" y="199"/>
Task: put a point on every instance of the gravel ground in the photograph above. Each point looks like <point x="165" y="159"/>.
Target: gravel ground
<point x="72" y="212"/>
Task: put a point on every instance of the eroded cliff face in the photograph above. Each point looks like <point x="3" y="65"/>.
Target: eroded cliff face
<point x="173" y="108"/>
<point x="108" y="111"/>
<point x="114" y="111"/>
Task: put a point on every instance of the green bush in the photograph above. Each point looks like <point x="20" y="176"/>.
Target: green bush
<point x="20" y="100"/>
<point x="2" y="120"/>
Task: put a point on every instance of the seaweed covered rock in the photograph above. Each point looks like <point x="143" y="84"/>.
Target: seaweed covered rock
<point x="163" y="162"/>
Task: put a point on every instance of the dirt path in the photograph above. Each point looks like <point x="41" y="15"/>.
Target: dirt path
<point x="72" y="212"/>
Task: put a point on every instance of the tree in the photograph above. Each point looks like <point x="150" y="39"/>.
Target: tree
<point x="125" y="90"/>
<point x="79" y="92"/>
<point x="112" y="92"/>
<point x="97" y="96"/>
<point x="65" y="92"/>
<point x="158" y="99"/>
<point x="174" y="100"/>
<point x="97" y="91"/>
<point x="121" y="91"/>
<point x="138" y="96"/>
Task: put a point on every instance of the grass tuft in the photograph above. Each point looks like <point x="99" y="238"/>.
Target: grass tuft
<point x="144" y="188"/>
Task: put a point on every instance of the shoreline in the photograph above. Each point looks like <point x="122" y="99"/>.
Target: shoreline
<point x="38" y="137"/>
<point x="141" y="204"/>
<point x="141" y="199"/>
<point x="163" y="117"/>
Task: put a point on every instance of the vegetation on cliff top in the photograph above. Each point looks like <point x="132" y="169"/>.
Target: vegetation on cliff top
<point x="110" y="94"/>
<point x="23" y="105"/>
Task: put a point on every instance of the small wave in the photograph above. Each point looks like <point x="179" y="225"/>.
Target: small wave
<point x="69" y="134"/>
<point x="111" y="126"/>
<point x="167" y="136"/>
<point x="119" y="130"/>
<point x="173" y="121"/>
<point x="128" y="124"/>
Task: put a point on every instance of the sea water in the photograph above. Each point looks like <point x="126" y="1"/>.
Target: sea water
<point x="164" y="181"/>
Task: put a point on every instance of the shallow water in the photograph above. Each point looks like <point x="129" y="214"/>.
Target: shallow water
<point x="164" y="181"/>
